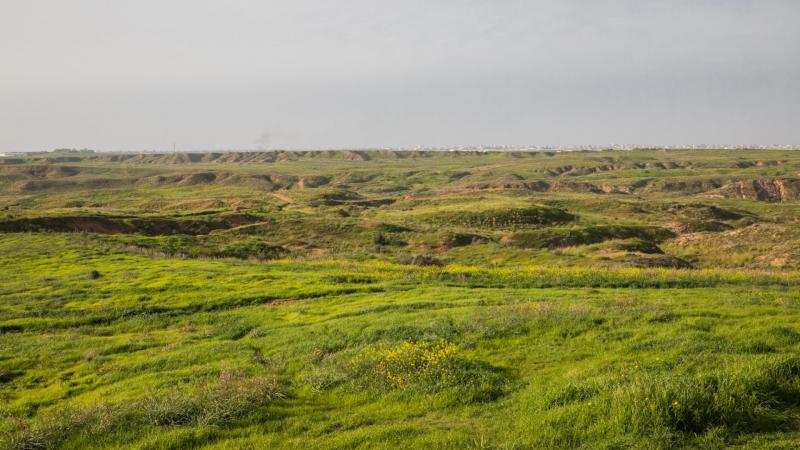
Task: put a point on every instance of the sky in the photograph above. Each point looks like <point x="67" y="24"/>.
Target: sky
<point x="247" y="74"/>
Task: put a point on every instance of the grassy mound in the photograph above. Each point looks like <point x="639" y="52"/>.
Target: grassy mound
<point x="705" y="212"/>
<point x="569" y="237"/>
<point x="215" y="403"/>
<point x="752" y="397"/>
<point x="666" y="261"/>
<point x="414" y="367"/>
<point x="151" y="226"/>
<point x="657" y="410"/>
<point x="502" y="218"/>
<point x="635" y="245"/>
<point x="452" y="240"/>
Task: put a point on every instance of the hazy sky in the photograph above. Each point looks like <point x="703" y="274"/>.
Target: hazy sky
<point x="239" y="74"/>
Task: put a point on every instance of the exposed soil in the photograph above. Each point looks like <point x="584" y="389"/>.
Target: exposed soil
<point x="775" y="190"/>
<point x="122" y="225"/>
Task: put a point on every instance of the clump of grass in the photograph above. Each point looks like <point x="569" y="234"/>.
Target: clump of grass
<point x="54" y="426"/>
<point x="436" y="330"/>
<point x="381" y="239"/>
<point x="416" y="367"/>
<point x="252" y="250"/>
<point x="232" y="396"/>
<point x="419" y="260"/>
<point x="571" y="393"/>
<point x="500" y="321"/>
<point x="663" y="317"/>
<point x="432" y="368"/>
<point x="408" y="362"/>
<point x="673" y="410"/>
<point x="748" y="398"/>
<point x="785" y="335"/>
<point x="452" y="239"/>
<point x="350" y="279"/>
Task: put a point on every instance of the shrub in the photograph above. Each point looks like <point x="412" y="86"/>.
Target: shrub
<point x="453" y="240"/>
<point x="233" y="396"/>
<point x="400" y="365"/>
<point x="381" y="239"/>
<point x="425" y="367"/>
<point x="51" y="428"/>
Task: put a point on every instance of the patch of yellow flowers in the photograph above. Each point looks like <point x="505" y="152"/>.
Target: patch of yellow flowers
<point x="409" y="361"/>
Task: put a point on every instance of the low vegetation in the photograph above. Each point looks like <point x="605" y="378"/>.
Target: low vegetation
<point x="376" y="299"/>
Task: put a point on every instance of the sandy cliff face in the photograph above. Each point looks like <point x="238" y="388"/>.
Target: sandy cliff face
<point x="775" y="190"/>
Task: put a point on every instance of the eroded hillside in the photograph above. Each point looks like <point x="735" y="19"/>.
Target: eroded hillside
<point x="653" y="208"/>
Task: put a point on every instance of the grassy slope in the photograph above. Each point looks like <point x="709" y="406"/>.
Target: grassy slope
<point x="556" y="348"/>
<point x="148" y="325"/>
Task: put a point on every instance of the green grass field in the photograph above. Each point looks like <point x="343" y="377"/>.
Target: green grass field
<point x="622" y="299"/>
